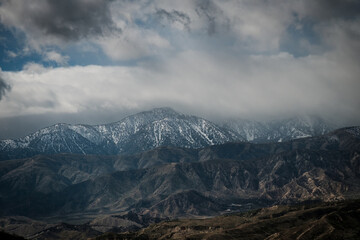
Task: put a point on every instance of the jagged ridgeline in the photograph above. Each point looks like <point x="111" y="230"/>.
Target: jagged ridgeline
<point x="155" y="128"/>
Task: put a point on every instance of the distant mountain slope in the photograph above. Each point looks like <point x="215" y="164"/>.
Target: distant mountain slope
<point x="279" y="130"/>
<point x="52" y="173"/>
<point x="163" y="182"/>
<point x="136" y="133"/>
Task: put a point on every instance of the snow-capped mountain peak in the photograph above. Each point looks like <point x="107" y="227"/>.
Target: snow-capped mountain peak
<point x="135" y="133"/>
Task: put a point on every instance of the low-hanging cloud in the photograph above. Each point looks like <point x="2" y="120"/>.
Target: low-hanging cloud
<point x="260" y="85"/>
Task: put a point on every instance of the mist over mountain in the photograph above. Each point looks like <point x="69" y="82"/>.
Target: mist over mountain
<point x="279" y="130"/>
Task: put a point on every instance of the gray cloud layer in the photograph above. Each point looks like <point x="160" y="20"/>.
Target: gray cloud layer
<point x="330" y="9"/>
<point x="4" y="87"/>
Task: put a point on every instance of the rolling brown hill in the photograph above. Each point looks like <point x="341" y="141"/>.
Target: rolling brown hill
<point x="340" y="220"/>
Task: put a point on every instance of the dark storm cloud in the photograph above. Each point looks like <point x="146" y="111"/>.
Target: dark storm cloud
<point x="4" y="87"/>
<point x="329" y="9"/>
<point x="71" y="19"/>
<point x="65" y="19"/>
<point x="175" y="16"/>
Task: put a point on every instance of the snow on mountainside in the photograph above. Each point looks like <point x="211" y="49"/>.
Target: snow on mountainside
<point x="355" y="131"/>
<point x="163" y="127"/>
<point x="150" y="129"/>
<point x="139" y="132"/>
<point x="279" y="130"/>
<point x="249" y="130"/>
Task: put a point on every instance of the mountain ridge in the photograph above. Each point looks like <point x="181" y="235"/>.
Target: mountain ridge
<point x="150" y="129"/>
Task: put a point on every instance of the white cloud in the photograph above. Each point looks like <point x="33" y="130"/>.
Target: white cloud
<point x="53" y="56"/>
<point x="34" y="68"/>
<point x="11" y="54"/>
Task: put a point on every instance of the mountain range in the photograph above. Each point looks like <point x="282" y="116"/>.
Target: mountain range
<point x="160" y="165"/>
<point x="155" y="128"/>
<point x="172" y="182"/>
